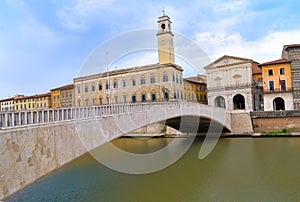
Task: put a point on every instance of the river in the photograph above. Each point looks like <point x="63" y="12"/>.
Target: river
<point x="238" y="169"/>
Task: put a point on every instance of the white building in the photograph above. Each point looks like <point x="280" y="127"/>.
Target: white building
<point x="229" y="83"/>
<point x="7" y="104"/>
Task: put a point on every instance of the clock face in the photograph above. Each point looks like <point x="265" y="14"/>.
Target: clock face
<point x="163" y="41"/>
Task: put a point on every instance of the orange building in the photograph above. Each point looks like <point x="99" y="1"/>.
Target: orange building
<point x="277" y="85"/>
<point x="62" y="96"/>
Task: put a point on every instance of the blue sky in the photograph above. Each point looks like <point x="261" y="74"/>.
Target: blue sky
<point x="44" y="43"/>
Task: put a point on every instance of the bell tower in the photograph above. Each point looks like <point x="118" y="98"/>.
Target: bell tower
<point x="165" y="40"/>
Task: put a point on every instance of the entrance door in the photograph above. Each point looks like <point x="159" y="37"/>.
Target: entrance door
<point x="278" y="104"/>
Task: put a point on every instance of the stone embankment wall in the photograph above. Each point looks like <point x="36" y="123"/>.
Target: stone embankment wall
<point x="271" y="124"/>
<point x="30" y="153"/>
<point x="241" y="123"/>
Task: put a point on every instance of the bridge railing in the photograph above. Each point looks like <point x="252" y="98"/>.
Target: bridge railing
<point x="22" y="118"/>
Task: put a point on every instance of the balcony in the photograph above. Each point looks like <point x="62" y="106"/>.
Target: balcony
<point x="277" y="90"/>
<point x="230" y="87"/>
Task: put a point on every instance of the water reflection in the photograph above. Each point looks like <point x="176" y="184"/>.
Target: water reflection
<point x="239" y="169"/>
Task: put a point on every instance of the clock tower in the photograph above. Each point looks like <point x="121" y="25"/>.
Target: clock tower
<point x="165" y="40"/>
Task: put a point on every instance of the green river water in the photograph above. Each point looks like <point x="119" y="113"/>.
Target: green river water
<point x="238" y="169"/>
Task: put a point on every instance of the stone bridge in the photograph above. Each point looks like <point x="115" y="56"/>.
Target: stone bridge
<point x="34" y="143"/>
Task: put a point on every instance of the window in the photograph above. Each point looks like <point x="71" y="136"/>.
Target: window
<point x="282" y="85"/>
<point x="124" y="83"/>
<point x="71" y="96"/>
<point x="78" y="90"/>
<point x="133" y="98"/>
<point x="115" y="84"/>
<point x="32" y="105"/>
<point x="165" y="78"/>
<point x="143" y="81"/>
<point x="180" y="80"/>
<point x="271" y="86"/>
<point x="17" y="107"/>
<point x="107" y="86"/>
<point x="54" y="98"/>
<point x="86" y="89"/>
<point x="281" y="71"/>
<point x="107" y="100"/>
<point x="133" y="82"/>
<point x="62" y="96"/>
<point x="152" y="79"/>
<point x="201" y="97"/>
<point x="116" y="100"/>
<point x="175" y="95"/>
<point x="153" y="97"/>
<point x="101" y="101"/>
<point x="45" y="105"/>
<point x="173" y="77"/>
<point x="93" y="88"/>
<point x="143" y="97"/>
<point x="177" y="79"/>
<point x="100" y="86"/>
<point x="124" y="98"/>
<point x="67" y="96"/>
<point x="78" y="103"/>
<point x="270" y="72"/>
<point x="86" y="102"/>
<point x="93" y="102"/>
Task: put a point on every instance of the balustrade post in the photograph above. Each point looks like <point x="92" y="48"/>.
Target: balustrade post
<point x="25" y="118"/>
<point x="43" y="116"/>
<point x="5" y="120"/>
<point x="31" y="117"/>
<point x="37" y="116"/>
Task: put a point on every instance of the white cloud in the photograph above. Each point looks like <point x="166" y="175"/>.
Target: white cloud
<point x="266" y="48"/>
<point x="76" y="15"/>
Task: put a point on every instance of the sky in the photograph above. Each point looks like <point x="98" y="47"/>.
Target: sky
<point x="43" y="44"/>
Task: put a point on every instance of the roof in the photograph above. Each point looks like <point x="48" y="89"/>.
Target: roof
<point x="274" y="62"/>
<point x="291" y="46"/>
<point x="20" y="97"/>
<point x="128" y="70"/>
<point x="236" y="60"/>
<point x="255" y="68"/>
<point x="68" y="86"/>
<point x="7" y="99"/>
<point x="196" y="79"/>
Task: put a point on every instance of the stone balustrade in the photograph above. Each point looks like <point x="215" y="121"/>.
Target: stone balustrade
<point x="9" y="120"/>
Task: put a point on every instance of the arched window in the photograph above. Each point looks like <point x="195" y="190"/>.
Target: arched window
<point x="220" y="102"/>
<point x="238" y="102"/>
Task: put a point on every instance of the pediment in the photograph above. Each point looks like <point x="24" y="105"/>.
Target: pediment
<point x="227" y="60"/>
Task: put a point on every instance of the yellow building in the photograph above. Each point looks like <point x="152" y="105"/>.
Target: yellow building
<point x="257" y="88"/>
<point x="32" y="102"/>
<point x="155" y="82"/>
<point x="22" y="102"/>
<point x="62" y="96"/>
<point x="277" y="85"/>
<point x="195" y="89"/>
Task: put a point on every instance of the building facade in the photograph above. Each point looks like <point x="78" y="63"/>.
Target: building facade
<point x="7" y="104"/>
<point x="43" y="101"/>
<point x="62" y="96"/>
<point x="195" y="89"/>
<point x="23" y="102"/>
<point x="292" y="53"/>
<point x="229" y="83"/>
<point x="155" y="82"/>
<point x="277" y="85"/>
